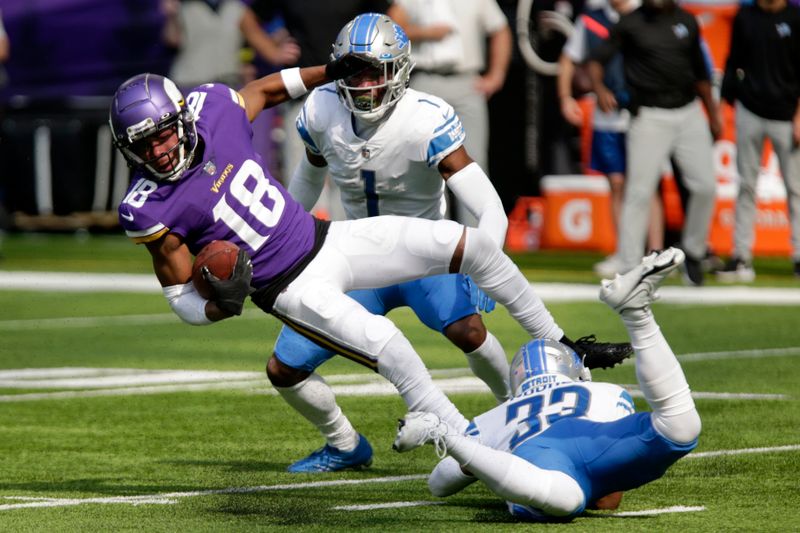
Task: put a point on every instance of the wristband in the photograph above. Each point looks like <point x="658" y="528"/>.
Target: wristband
<point x="293" y="82"/>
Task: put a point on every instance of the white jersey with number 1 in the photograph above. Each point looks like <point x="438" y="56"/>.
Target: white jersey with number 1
<point x="394" y="172"/>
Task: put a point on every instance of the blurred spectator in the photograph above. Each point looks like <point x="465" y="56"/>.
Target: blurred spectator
<point x="665" y="70"/>
<point x="762" y="78"/>
<point x="448" y="44"/>
<point x="208" y="35"/>
<point x="608" y="128"/>
<point x="5" y="50"/>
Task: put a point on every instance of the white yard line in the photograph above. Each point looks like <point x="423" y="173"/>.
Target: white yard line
<point x="720" y="453"/>
<point x="389" y="505"/>
<point x="549" y="292"/>
<point x="666" y="510"/>
<point x="741" y="354"/>
<point x="104" y="382"/>
<point x="173" y="497"/>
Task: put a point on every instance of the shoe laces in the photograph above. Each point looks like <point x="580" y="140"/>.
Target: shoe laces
<point x="439" y="443"/>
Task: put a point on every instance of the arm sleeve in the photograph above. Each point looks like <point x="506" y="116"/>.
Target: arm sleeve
<point x="307" y="182"/>
<point x="187" y="304"/>
<point x="471" y="186"/>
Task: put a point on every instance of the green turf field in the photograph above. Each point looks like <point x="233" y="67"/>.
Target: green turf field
<point x="131" y="447"/>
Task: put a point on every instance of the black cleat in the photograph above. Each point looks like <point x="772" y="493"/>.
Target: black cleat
<point x="601" y="354"/>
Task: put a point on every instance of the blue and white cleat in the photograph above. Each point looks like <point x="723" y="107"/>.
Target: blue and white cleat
<point x="330" y="459"/>
<point x="636" y="289"/>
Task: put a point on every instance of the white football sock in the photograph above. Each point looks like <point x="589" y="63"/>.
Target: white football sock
<point x="489" y="363"/>
<point x="661" y="379"/>
<point x="401" y="365"/>
<point x="315" y="401"/>
<point x="500" y="278"/>
<point x="515" y="479"/>
<point x="448" y="478"/>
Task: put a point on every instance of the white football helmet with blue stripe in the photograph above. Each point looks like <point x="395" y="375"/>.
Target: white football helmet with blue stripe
<point x="377" y="38"/>
<point x="541" y="361"/>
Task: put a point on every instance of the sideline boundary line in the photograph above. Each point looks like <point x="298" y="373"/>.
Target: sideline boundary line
<point x="549" y="292"/>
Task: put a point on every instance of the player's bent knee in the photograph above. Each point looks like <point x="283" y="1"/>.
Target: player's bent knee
<point x="282" y="375"/>
<point x="448" y="478"/>
<point x="566" y="496"/>
<point x="378" y="331"/>
<point x="468" y="334"/>
<point x="681" y="429"/>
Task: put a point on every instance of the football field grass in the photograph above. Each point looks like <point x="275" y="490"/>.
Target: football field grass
<point x="115" y="416"/>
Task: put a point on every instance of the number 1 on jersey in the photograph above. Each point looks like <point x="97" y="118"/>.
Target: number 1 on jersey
<point x="369" y="192"/>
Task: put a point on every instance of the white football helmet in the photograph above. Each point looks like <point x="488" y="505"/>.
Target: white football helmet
<point x="378" y="39"/>
<point x="541" y="358"/>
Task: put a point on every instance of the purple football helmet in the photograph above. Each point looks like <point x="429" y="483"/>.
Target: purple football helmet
<point x="143" y="107"/>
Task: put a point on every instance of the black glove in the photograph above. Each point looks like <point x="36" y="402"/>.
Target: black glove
<point x="230" y="293"/>
<point x="599" y="354"/>
<point x="346" y="66"/>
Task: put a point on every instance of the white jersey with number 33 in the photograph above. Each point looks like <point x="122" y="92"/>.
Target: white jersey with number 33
<point x="394" y="172"/>
<point x="509" y="424"/>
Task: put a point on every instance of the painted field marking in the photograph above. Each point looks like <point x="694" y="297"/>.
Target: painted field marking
<point x="666" y="510"/>
<point x="104" y="382"/>
<point x="172" y="497"/>
<point x="549" y="292"/>
<point x="720" y="453"/>
<point x="389" y="505"/>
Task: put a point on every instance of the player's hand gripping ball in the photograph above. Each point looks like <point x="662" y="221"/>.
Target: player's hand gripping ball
<point x="220" y="259"/>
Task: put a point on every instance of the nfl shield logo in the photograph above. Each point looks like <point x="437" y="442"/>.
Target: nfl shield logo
<point x="365" y="153"/>
<point x="210" y="168"/>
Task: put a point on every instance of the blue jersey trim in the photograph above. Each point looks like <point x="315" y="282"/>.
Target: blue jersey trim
<point x="434" y="104"/>
<point x="443" y="126"/>
<point x="300" y="124"/>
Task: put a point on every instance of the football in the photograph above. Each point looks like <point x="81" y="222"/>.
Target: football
<point x="220" y="258"/>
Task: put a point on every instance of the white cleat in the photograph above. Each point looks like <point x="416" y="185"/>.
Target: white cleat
<point x="636" y="289"/>
<point x="418" y="428"/>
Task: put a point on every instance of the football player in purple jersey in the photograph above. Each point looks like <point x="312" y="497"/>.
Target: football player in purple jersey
<point x="198" y="178"/>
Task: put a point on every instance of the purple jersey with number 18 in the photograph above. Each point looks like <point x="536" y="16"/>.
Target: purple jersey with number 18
<point x="227" y="195"/>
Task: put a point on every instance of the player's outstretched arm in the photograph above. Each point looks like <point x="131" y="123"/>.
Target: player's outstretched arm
<point x="289" y="83"/>
<point x="308" y="180"/>
<point x="472" y="187"/>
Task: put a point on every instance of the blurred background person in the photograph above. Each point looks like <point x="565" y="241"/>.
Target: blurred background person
<point x="665" y="70"/>
<point x="608" y="128"/>
<point x="5" y="51"/>
<point x="208" y="36"/>
<point x="762" y="80"/>
<point x="449" y="46"/>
